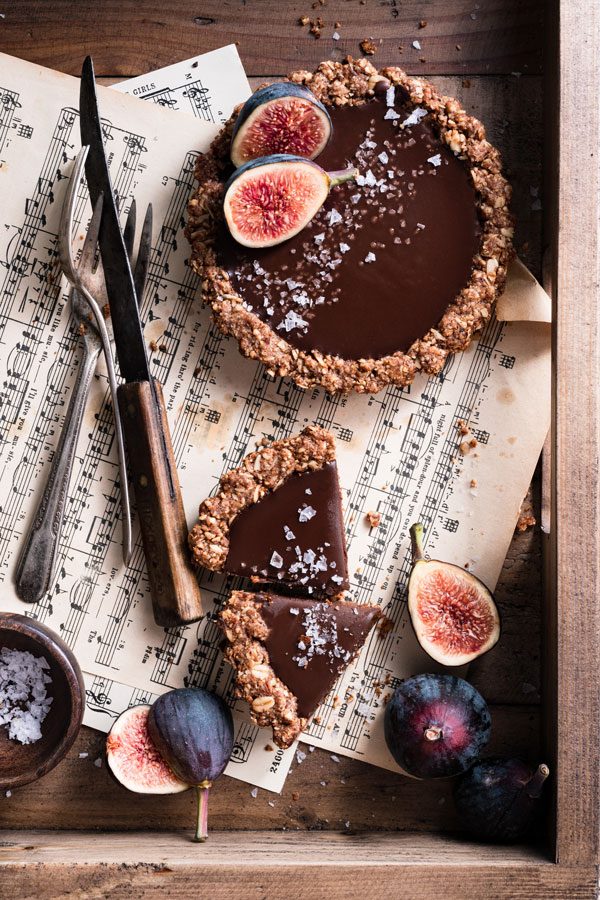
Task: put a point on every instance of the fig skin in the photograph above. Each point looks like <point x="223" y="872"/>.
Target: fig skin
<point x="193" y="731"/>
<point x="457" y="629"/>
<point x="256" y="171"/>
<point x="255" y="107"/>
<point x="133" y="760"/>
<point x="436" y="726"/>
<point x="499" y="799"/>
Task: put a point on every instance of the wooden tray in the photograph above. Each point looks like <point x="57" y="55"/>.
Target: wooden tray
<point x="364" y="831"/>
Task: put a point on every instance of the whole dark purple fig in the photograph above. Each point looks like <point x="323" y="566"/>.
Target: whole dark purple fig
<point x="192" y="730"/>
<point x="499" y="799"/>
<point x="436" y="725"/>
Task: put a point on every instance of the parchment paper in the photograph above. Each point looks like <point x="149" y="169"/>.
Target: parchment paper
<point x="399" y="451"/>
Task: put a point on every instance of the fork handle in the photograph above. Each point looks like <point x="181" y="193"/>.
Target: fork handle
<point x="176" y="598"/>
<point x="38" y="559"/>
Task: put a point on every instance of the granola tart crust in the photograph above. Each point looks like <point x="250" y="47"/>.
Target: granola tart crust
<point x="271" y="702"/>
<point x="336" y="84"/>
<point x="262" y="471"/>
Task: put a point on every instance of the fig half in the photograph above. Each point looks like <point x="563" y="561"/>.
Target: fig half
<point x="270" y="199"/>
<point x="453" y="613"/>
<point x="133" y="759"/>
<point x="280" y="118"/>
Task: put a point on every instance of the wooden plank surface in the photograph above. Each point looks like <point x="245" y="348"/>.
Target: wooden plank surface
<point x="127" y="38"/>
<point x="46" y="866"/>
<point x="496" y="38"/>
<point x="575" y="516"/>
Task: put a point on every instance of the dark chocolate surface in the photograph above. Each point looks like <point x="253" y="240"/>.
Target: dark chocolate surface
<point x="384" y="257"/>
<point x="311" y="643"/>
<point x="294" y="535"/>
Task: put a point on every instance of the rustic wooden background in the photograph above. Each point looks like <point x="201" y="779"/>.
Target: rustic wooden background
<point x="490" y="55"/>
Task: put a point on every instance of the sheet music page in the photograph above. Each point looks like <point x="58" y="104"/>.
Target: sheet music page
<point x="455" y="451"/>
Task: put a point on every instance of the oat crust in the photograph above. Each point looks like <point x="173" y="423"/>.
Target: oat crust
<point x="260" y="472"/>
<point x="336" y="84"/>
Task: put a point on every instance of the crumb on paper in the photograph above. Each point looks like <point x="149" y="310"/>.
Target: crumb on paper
<point x="384" y="626"/>
<point x="303" y="20"/>
<point x="473" y="483"/>
<point x="153" y="345"/>
<point x="422" y="24"/>
<point x="269" y="748"/>
<point x="526" y="518"/>
<point x="368" y="46"/>
<point x="373" y="518"/>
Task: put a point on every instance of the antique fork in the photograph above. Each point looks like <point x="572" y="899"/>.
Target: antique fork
<point x="38" y="559"/>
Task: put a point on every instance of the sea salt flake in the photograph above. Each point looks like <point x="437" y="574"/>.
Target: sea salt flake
<point x="370" y="179"/>
<point x="8" y="793"/>
<point x="308" y="491"/>
<point x="98" y="763"/>
<point x="416" y="45"/>
<point x="311" y="749"/>
<point x="389" y="95"/>
<point x="289" y="534"/>
<point x="337" y="579"/>
<point x="271" y="803"/>
<point x="415" y="117"/>
<point x="83" y="755"/>
<point x="319" y="238"/>
<point x="300" y="756"/>
<point x="306" y="513"/>
<point x="344" y="248"/>
<point x="435" y="160"/>
<point x="356" y="197"/>
<point x="390" y="114"/>
<point x="292" y="320"/>
<point x="335" y="758"/>
<point x="370" y="257"/>
<point x="333" y="217"/>
<point x="383" y="157"/>
<point x="254" y="793"/>
<point x="276" y="560"/>
<point x="335" y="36"/>
<point x="294" y="611"/>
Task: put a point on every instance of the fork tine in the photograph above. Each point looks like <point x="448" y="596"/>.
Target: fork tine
<point x="91" y="239"/>
<point x="143" y="257"/>
<point x="129" y="230"/>
<point x="65" y="231"/>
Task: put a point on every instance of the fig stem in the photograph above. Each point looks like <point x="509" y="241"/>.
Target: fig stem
<point x="341" y="175"/>
<point x="416" y="541"/>
<point x="536" y="782"/>
<point x="202" y="790"/>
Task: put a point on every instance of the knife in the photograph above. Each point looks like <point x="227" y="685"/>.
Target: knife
<point x="176" y="598"/>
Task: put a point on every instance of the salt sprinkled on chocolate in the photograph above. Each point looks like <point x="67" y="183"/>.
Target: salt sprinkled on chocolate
<point x="306" y="513"/>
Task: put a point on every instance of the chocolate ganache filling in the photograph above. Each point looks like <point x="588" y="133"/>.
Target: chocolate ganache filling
<point x="294" y="535"/>
<point x="310" y="643"/>
<point x="384" y="257"/>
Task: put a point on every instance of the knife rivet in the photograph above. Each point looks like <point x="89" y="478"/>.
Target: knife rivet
<point x="143" y="481"/>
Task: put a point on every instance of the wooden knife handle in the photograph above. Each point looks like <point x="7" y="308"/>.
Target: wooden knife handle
<point x="175" y="593"/>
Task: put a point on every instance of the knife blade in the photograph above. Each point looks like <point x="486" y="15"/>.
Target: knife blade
<point x="129" y="339"/>
<point x="176" y="598"/>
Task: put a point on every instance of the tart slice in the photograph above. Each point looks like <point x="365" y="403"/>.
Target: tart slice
<point x="288" y="653"/>
<point x="278" y="518"/>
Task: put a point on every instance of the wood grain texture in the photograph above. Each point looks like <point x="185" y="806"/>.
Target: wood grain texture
<point x="319" y="794"/>
<point x="128" y="38"/>
<point x="46" y="866"/>
<point x="176" y="598"/>
<point x="575" y="515"/>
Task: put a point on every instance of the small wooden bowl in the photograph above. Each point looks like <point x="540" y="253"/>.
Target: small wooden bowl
<point x="22" y="763"/>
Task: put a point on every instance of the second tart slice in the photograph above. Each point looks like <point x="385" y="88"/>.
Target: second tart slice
<point x="288" y="653"/>
<point x="278" y="518"/>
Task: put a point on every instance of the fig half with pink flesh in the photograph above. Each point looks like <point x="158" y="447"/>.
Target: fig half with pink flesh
<point x="280" y="118"/>
<point x="453" y="613"/>
<point x="133" y="758"/>
<point x="269" y="200"/>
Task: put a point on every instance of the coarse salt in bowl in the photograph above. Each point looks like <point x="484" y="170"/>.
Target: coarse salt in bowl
<point x="50" y="693"/>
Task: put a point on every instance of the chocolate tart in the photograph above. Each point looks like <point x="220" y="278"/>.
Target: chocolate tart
<point x="288" y="653"/>
<point x="395" y="271"/>
<point x="278" y="518"/>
